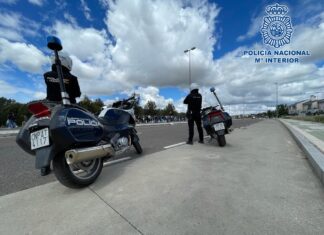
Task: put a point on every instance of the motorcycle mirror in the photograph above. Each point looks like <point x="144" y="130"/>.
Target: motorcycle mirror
<point x="54" y="43"/>
<point x="212" y="89"/>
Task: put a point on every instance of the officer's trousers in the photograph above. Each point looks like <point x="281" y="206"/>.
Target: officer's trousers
<point x="197" y="119"/>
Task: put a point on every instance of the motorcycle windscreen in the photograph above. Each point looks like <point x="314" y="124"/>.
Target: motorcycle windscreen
<point x="116" y="117"/>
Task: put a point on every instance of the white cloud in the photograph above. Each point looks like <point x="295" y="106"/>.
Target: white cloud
<point x="309" y="37"/>
<point x="25" y="56"/>
<point x="151" y="93"/>
<point x="253" y="29"/>
<point x="14" y="26"/>
<point x="242" y="79"/>
<point x="37" y="2"/>
<point x="86" y="10"/>
<point x="10" y="20"/>
<point x="7" y="89"/>
<point x="151" y="37"/>
<point x="39" y="95"/>
<point x="88" y="44"/>
<point x="146" y="51"/>
<point x="23" y="94"/>
<point x="10" y="34"/>
<point x="70" y="19"/>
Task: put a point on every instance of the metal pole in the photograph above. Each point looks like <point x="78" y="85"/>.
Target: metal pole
<point x="243" y="106"/>
<point x="277" y="113"/>
<point x="188" y="50"/>
<point x="64" y="94"/>
<point x="218" y="101"/>
<point x="189" y="70"/>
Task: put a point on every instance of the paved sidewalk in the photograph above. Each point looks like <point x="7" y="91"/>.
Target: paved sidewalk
<point x="259" y="183"/>
<point x="310" y="137"/>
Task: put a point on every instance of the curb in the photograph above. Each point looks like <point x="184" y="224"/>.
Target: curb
<point x="314" y="155"/>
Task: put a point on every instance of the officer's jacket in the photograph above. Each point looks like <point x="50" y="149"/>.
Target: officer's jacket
<point x="193" y="100"/>
<point x="53" y="85"/>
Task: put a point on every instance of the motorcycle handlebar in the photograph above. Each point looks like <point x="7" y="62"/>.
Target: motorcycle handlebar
<point x="209" y="107"/>
<point x="133" y="97"/>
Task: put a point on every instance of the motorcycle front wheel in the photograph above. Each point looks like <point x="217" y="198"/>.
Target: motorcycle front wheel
<point x="76" y="175"/>
<point x="138" y="147"/>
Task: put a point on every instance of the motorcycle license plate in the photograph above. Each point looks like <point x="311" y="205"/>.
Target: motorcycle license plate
<point x="219" y="126"/>
<point x="39" y="139"/>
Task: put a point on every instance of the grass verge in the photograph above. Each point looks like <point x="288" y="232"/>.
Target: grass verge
<point x="317" y="118"/>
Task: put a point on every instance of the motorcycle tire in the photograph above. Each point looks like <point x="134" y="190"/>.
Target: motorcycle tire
<point x="70" y="176"/>
<point x="221" y="140"/>
<point x="138" y="147"/>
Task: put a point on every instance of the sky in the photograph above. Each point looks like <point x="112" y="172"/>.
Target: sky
<point x="125" y="46"/>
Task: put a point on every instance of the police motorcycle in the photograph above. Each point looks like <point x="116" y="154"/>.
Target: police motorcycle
<point x="216" y="121"/>
<point x="71" y="138"/>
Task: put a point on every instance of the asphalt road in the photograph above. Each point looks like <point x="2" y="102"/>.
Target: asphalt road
<point x="17" y="171"/>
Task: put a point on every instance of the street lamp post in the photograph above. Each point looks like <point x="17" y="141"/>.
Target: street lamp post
<point x="188" y="50"/>
<point x="277" y="111"/>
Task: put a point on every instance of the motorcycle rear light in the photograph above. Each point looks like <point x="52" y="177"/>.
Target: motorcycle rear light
<point x="39" y="109"/>
<point x="216" y="114"/>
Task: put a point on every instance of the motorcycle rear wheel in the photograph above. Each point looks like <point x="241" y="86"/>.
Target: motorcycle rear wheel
<point x="77" y="175"/>
<point x="221" y="140"/>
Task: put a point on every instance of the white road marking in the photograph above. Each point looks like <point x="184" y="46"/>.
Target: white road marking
<point x="178" y="144"/>
<point x="116" y="161"/>
<point x="174" y="145"/>
<point x="6" y="132"/>
<point x="160" y="124"/>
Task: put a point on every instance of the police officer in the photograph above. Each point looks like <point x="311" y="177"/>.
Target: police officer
<point x="53" y="86"/>
<point x="70" y="81"/>
<point x="194" y="100"/>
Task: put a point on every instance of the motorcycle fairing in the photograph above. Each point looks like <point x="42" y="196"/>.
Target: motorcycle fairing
<point x="75" y="127"/>
<point x="23" y="137"/>
<point x="114" y="120"/>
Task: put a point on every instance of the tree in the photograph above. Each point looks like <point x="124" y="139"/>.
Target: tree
<point x="282" y="109"/>
<point x="138" y="110"/>
<point x="271" y="114"/>
<point x="97" y="106"/>
<point x="93" y="106"/>
<point x="150" y="108"/>
<point x="11" y="106"/>
<point x="169" y="110"/>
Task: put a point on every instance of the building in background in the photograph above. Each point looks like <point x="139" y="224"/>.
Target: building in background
<point x="311" y="106"/>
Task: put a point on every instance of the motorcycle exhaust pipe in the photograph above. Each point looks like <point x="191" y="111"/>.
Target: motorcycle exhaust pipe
<point x="85" y="154"/>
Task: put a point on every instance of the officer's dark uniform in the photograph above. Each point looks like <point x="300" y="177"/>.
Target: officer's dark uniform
<point x="194" y="100"/>
<point x="54" y="92"/>
<point x="53" y="85"/>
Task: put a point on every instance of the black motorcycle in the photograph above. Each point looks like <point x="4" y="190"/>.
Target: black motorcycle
<point x="73" y="139"/>
<point x="216" y="121"/>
